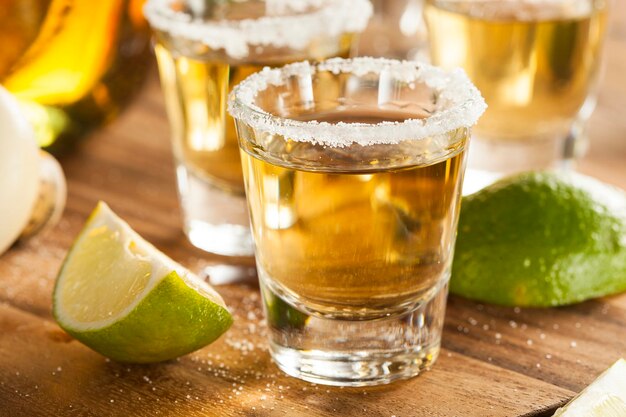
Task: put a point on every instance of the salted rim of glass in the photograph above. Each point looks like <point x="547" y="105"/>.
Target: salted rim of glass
<point x="296" y="30"/>
<point x="459" y="103"/>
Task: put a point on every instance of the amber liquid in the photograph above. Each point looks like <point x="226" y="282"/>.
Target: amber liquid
<point x="204" y="135"/>
<point x="73" y="64"/>
<point x="535" y="63"/>
<point x="353" y="238"/>
<point x="196" y="90"/>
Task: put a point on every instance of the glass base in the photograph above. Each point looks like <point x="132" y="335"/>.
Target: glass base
<point x="216" y="220"/>
<point x="222" y="239"/>
<point x="475" y="180"/>
<point x="510" y="156"/>
<point x="354" y="353"/>
<point x="491" y="160"/>
<point x="359" y="370"/>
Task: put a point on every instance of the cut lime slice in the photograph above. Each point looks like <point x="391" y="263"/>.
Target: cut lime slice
<point x="605" y="397"/>
<point x="120" y="296"/>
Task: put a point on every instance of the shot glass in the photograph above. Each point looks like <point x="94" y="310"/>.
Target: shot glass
<point x="353" y="173"/>
<point x="203" y="49"/>
<point x="537" y="63"/>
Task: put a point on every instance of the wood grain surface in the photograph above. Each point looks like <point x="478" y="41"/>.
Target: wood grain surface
<point x="495" y="361"/>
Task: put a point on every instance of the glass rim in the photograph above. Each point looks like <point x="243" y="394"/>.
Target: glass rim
<point x="463" y="103"/>
<point x="295" y="31"/>
<point x="575" y="8"/>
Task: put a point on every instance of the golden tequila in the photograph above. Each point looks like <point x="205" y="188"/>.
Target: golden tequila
<point x="535" y="62"/>
<point x="354" y="240"/>
<point x="204" y="49"/>
<point x="196" y="89"/>
<point x="203" y="134"/>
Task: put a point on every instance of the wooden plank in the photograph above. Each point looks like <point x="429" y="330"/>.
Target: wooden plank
<point x="51" y="374"/>
<point x="566" y="346"/>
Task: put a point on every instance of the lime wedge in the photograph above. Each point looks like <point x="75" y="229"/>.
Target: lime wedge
<point x="605" y="397"/>
<point x="123" y="298"/>
<point x="541" y="239"/>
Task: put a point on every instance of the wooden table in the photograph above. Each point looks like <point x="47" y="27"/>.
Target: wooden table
<point x="494" y="362"/>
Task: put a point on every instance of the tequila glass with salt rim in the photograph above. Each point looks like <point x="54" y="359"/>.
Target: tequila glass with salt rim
<point x="203" y="49"/>
<point x="353" y="172"/>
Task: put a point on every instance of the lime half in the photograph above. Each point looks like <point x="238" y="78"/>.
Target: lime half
<point x="120" y="296"/>
<point x="541" y="239"/>
<point x="605" y="397"/>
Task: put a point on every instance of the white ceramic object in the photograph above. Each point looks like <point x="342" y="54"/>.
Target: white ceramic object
<point x="19" y="170"/>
